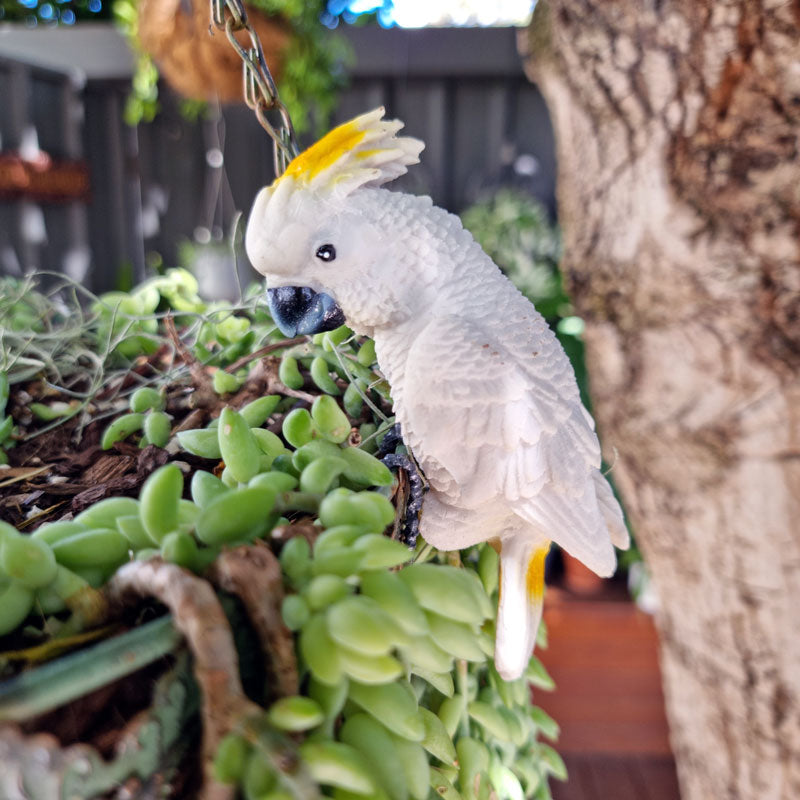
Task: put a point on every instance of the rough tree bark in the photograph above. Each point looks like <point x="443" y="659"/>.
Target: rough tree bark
<point x="678" y="134"/>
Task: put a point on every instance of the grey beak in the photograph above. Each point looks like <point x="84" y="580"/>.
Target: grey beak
<point x="298" y="310"/>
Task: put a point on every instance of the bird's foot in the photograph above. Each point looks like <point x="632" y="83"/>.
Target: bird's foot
<point x="412" y="486"/>
<point x="391" y="439"/>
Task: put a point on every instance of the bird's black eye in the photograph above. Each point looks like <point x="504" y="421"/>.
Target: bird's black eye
<point x="326" y="252"/>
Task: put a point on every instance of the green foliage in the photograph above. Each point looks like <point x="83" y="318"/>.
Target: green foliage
<point x="126" y="321"/>
<point x="376" y="720"/>
<point x="43" y="334"/>
<point x="21" y="309"/>
<point x="410" y="720"/>
<point x="7" y="430"/>
<point x="82" y="345"/>
<point x="516" y="233"/>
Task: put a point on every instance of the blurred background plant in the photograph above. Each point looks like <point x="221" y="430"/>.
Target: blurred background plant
<point x="68" y="12"/>
<point x="310" y="61"/>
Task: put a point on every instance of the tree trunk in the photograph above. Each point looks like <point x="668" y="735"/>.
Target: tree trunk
<point x="678" y="127"/>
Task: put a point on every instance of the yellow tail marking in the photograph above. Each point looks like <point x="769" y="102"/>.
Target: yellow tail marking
<point x="325" y="152"/>
<point x="534" y="577"/>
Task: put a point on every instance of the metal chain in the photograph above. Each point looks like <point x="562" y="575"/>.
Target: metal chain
<point x="260" y="92"/>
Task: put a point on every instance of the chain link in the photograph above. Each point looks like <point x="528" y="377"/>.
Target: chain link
<point x="260" y="92"/>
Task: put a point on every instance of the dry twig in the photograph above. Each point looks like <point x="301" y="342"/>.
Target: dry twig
<point x="200" y="618"/>
<point x="264" y="351"/>
<point x="204" y="393"/>
<point x="253" y="574"/>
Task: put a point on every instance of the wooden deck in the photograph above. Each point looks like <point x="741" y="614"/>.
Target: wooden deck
<point x="609" y="777"/>
<point x="603" y="657"/>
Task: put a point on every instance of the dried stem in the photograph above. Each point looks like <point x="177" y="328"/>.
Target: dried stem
<point x="204" y="389"/>
<point x="253" y="574"/>
<point x="264" y="351"/>
<point x="199" y="617"/>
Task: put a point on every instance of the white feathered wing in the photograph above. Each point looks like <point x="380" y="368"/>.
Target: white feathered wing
<point x="497" y="424"/>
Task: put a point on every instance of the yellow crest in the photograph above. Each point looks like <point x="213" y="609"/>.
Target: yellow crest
<point x="362" y="152"/>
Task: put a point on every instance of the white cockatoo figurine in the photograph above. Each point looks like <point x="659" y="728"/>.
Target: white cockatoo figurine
<point x="485" y="395"/>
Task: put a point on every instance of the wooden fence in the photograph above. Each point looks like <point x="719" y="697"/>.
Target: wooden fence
<point x="460" y="90"/>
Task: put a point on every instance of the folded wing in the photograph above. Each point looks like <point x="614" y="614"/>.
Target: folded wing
<point x="496" y="425"/>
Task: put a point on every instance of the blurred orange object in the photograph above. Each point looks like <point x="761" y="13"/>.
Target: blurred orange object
<point x="578" y="578"/>
<point x="42" y="179"/>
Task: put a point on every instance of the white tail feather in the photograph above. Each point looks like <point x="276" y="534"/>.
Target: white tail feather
<point x="520" y="610"/>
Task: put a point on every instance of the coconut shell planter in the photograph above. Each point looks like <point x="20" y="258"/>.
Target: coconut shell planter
<point x="199" y="66"/>
<point x="203" y="589"/>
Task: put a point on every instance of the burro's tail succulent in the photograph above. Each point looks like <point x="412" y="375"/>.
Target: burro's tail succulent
<point x="485" y="394"/>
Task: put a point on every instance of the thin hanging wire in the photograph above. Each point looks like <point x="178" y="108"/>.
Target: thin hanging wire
<point x="260" y="92"/>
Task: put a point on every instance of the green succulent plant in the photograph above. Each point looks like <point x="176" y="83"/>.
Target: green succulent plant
<point x="398" y="696"/>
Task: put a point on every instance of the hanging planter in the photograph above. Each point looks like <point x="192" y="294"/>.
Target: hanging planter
<point x="173" y="39"/>
<point x="199" y="66"/>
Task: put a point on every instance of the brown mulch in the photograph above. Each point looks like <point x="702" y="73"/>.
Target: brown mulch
<point x="58" y="473"/>
<point x="61" y="472"/>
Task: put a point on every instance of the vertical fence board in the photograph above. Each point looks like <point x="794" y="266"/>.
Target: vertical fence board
<point x="477" y="139"/>
<point x="132" y="197"/>
<point x="6" y="71"/>
<point x="16" y="88"/>
<point x="25" y="216"/>
<point x="46" y="106"/>
<point x="67" y="248"/>
<point x="360" y="96"/>
<point x="154" y="192"/>
<point x="106" y="209"/>
<point x="49" y="102"/>
<point x="423" y="107"/>
<point x="9" y="259"/>
<point x="179" y="169"/>
<point x="533" y="134"/>
<point x="248" y="155"/>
